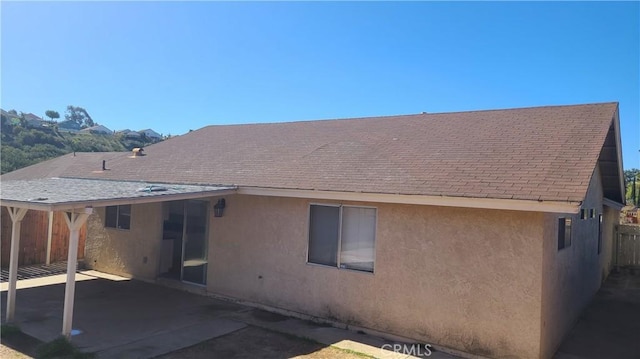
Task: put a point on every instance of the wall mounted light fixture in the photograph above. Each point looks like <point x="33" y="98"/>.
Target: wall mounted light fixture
<point x="218" y="208"/>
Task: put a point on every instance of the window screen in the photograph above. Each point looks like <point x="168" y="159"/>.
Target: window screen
<point x="124" y="216"/>
<point x="111" y="219"/>
<point x="324" y="227"/>
<point x="358" y="238"/>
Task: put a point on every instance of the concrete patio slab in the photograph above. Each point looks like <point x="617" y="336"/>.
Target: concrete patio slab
<point x="168" y="341"/>
<point x="122" y="318"/>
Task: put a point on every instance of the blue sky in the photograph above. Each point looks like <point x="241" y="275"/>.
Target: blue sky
<point x="178" y="66"/>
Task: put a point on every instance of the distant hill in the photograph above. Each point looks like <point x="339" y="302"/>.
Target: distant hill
<point x="24" y="144"/>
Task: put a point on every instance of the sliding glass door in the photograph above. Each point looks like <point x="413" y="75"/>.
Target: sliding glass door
<point x="194" y="253"/>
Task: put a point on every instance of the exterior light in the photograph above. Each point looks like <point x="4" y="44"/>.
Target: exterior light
<point x="218" y="208"/>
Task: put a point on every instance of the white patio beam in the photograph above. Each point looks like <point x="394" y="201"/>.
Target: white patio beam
<point x="74" y="220"/>
<point x="16" y="214"/>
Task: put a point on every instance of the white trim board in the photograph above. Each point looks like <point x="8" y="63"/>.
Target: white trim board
<point x="463" y="202"/>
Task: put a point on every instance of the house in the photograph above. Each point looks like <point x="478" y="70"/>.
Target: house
<point x="630" y="215"/>
<point x="151" y="134"/>
<point x="127" y="133"/>
<point x="97" y="129"/>
<point x="486" y="231"/>
<point x="32" y="120"/>
<point x="11" y="118"/>
<point x="69" y="126"/>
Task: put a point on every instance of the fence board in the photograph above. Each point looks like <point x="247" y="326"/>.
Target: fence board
<point x="33" y="238"/>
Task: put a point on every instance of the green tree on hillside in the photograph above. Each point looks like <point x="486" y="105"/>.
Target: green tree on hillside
<point x="52" y="114"/>
<point x="6" y="128"/>
<point x="79" y="115"/>
<point x="23" y="119"/>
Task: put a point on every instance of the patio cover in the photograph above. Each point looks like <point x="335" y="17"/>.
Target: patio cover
<point x="62" y="194"/>
<point x="77" y="197"/>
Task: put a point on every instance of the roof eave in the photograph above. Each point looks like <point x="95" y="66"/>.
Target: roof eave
<point x="446" y="201"/>
<point x="613" y="204"/>
<point x="616" y="126"/>
<point x="66" y="206"/>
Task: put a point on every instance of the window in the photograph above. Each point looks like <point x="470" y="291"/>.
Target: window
<point x="564" y="233"/>
<point x="587" y="213"/>
<point x="118" y="217"/>
<point x="342" y="236"/>
<point x="599" y="233"/>
<point x="583" y="213"/>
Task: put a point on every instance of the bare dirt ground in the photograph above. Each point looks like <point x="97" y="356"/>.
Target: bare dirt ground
<point x="8" y="353"/>
<point x="253" y="342"/>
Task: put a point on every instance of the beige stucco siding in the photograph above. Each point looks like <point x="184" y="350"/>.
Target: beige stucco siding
<point x="133" y="252"/>
<point x="573" y="275"/>
<point x="463" y="278"/>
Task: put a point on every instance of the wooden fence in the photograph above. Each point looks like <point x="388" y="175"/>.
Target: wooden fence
<point x="33" y="238"/>
<point x="627" y="245"/>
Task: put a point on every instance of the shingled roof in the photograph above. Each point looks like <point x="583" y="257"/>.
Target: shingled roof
<point x="540" y="153"/>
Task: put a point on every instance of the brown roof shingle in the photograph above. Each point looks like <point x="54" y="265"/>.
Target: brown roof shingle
<point x="540" y="153"/>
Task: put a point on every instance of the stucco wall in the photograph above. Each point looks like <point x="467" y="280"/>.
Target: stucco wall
<point x="464" y="278"/>
<point x="573" y="275"/>
<point x="133" y="252"/>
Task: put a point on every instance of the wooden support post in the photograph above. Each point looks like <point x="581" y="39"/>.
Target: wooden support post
<point x="49" y="235"/>
<point x="75" y="220"/>
<point x="16" y="214"/>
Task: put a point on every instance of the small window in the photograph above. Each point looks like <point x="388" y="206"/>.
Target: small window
<point x="592" y="213"/>
<point x="599" y="233"/>
<point x="118" y="217"/>
<point x="342" y="236"/>
<point x="583" y="213"/>
<point x="564" y="233"/>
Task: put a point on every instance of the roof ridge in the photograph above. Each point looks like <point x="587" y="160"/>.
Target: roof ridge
<point x="306" y="121"/>
<point x="408" y="115"/>
<point x="529" y="107"/>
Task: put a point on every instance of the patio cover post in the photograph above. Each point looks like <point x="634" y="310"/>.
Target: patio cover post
<point x="75" y="220"/>
<point x="16" y="214"/>
<point x="49" y="235"/>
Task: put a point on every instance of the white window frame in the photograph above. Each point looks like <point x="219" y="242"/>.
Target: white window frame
<point x="339" y="248"/>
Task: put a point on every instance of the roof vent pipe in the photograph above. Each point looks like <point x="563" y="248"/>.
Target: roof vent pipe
<point x="104" y="165"/>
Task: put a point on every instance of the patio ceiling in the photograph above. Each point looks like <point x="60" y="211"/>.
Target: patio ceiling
<point x="60" y="194"/>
